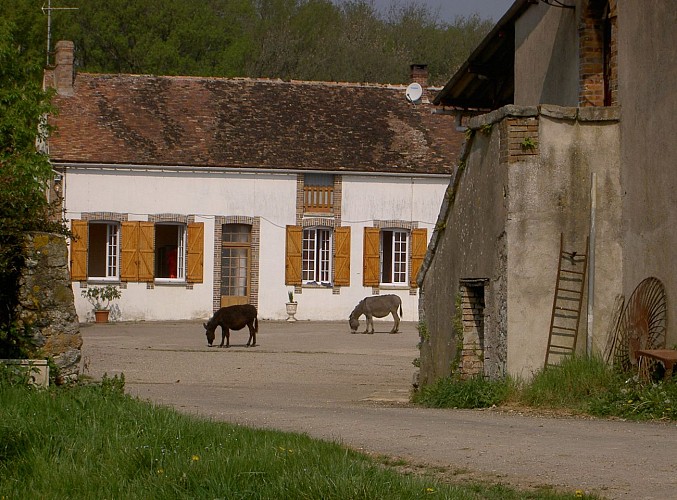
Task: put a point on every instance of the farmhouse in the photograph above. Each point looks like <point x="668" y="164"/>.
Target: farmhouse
<point x="196" y="193"/>
<point x="571" y="161"/>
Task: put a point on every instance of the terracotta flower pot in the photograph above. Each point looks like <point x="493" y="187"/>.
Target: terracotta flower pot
<point x="101" y="316"/>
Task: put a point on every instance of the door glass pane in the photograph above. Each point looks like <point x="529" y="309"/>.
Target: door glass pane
<point x="235" y="256"/>
<point x="234" y="271"/>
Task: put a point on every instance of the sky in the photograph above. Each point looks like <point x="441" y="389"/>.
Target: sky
<point x="449" y="9"/>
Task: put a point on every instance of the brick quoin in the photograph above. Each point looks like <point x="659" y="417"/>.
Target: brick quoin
<point x="598" y="55"/>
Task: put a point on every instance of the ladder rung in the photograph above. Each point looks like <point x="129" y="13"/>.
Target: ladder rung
<point x="565" y="309"/>
<point x="572" y="272"/>
<point x="565" y="316"/>
<point x="564" y="328"/>
<point x="566" y="335"/>
<point x="570" y="290"/>
<point x="560" y="347"/>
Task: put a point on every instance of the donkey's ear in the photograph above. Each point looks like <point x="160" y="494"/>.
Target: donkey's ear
<point x="205" y="325"/>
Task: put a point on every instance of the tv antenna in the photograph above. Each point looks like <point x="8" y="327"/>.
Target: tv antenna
<point x="49" y="10"/>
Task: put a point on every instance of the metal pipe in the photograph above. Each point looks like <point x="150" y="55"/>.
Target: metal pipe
<point x="591" y="262"/>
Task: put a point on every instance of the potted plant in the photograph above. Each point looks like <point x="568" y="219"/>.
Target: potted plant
<point x="291" y="306"/>
<point x="100" y="297"/>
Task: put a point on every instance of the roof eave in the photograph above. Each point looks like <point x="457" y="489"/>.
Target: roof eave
<point x="460" y="81"/>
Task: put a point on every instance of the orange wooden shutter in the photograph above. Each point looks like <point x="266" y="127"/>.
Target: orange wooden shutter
<point x="195" y="257"/>
<point x="342" y="256"/>
<point x="372" y="257"/>
<point x="79" y="244"/>
<point x="129" y="242"/>
<point x="419" y="246"/>
<point x="292" y="266"/>
<point x="146" y="251"/>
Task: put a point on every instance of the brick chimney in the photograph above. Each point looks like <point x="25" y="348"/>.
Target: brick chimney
<point x="63" y="70"/>
<point x="419" y="74"/>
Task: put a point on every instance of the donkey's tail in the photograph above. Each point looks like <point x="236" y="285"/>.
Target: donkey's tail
<point x="400" y="309"/>
<point x="256" y="325"/>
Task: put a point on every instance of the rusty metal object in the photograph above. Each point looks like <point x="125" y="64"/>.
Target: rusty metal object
<point x="643" y="324"/>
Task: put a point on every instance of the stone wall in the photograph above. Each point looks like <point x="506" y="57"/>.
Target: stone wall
<point x="46" y="303"/>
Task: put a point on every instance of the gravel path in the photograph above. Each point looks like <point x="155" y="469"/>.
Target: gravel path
<point x="319" y="379"/>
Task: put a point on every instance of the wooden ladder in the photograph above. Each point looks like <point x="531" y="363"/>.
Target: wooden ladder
<point x="567" y="304"/>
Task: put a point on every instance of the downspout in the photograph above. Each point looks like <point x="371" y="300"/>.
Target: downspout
<point x="591" y="262"/>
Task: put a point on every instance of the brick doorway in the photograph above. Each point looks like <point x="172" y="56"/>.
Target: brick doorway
<point x="472" y="309"/>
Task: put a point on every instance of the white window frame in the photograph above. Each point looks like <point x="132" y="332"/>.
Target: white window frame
<point x="398" y="257"/>
<point x="180" y="253"/>
<point x="316" y="260"/>
<point x="112" y="257"/>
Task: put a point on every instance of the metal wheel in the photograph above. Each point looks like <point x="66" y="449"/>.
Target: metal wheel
<point x="642" y="326"/>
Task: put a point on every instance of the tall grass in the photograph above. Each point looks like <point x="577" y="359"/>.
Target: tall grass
<point x="476" y="392"/>
<point x="571" y="385"/>
<point x="578" y="384"/>
<point x="94" y="442"/>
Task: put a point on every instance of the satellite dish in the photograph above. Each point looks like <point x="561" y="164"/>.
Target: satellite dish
<point x="414" y="92"/>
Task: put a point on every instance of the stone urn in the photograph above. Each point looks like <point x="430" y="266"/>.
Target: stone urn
<point x="291" y="311"/>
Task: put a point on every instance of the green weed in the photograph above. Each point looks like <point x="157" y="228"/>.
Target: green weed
<point x="579" y="384"/>
<point x="476" y="392"/>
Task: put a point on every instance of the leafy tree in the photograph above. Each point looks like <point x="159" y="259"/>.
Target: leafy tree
<point x="24" y="171"/>
<point x="346" y="40"/>
<point x="168" y="37"/>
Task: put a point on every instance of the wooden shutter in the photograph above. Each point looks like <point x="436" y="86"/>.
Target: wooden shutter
<point x="372" y="257"/>
<point x="342" y="256"/>
<point x="79" y="244"/>
<point x="146" y="251"/>
<point x="419" y="246"/>
<point x="129" y="243"/>
<point x="195" y="257"/>
<point x="292" y="266"/>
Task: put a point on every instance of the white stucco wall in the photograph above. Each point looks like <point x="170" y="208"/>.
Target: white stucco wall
<point x="272" y="198"/>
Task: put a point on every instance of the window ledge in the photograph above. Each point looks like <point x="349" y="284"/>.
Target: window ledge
<point x="318" y="214"/>
<point x="393" y="287"/>
<point x="328" y="286"/>
<point x="168" y="282"/>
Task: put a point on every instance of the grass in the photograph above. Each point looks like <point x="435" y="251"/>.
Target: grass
<point x="93" y="441"/>
<point x="578" y="384"/>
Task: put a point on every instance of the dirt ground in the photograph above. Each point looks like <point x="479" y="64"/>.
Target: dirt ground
<point x="317" y="378"/>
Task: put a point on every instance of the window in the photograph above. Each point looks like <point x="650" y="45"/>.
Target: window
<point x="170" y="251"/>
<point x="137" y="251"/>
<point x="316" y="256"/>
<point x="318" y="193"/>
<point x="104" y="250"/>
<point x="309" y="258"/>
<point x="394" y="257"/>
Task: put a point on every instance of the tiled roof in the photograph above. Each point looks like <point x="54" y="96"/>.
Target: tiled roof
<point x="249" y="123"/>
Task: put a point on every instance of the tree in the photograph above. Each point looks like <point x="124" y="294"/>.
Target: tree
<point x="24" y="171"/>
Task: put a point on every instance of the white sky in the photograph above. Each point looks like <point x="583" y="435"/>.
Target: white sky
<point x="449" y="9"/>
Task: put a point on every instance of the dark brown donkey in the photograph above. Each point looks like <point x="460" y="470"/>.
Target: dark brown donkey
<point x="233" y="318"/>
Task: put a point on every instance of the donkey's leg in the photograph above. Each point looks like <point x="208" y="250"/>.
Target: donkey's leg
<point x="367" y="320"/>
<point x="252" y="335"/>
<point x="371" y="322"/>
<point x="397" y="322"/>
<point x="224" y="333"/>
